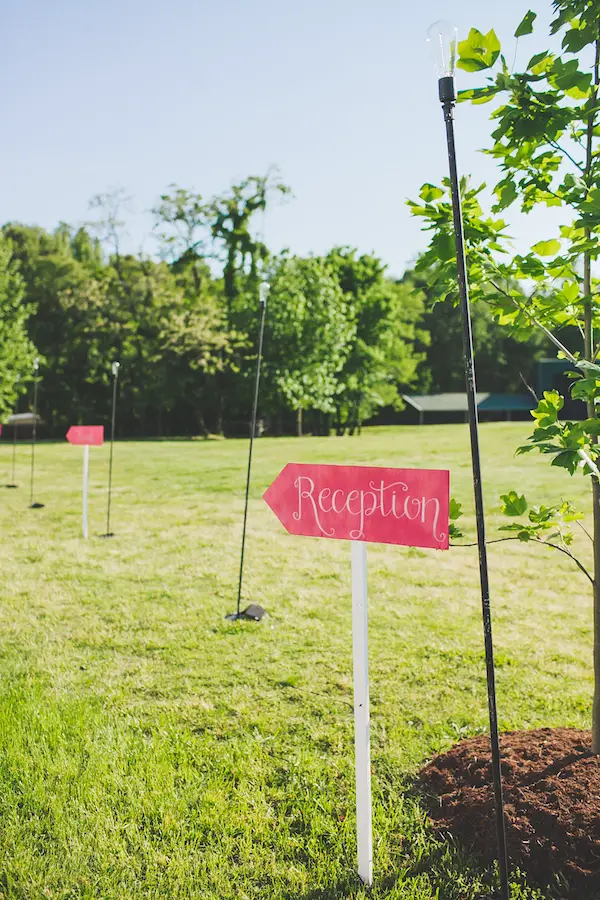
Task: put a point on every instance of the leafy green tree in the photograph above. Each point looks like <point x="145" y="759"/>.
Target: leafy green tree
<point x="505" y="362"/>
<point x="382" y="356"/>
<point x="183" y="229"/>
<point x="164" y="340"/>
<point x="546" y="141"/>
<point x="192" y="231"/>
<point x="308" y="334"/>
<point x="86" y="250"/>
<point x="16" y="350"/>
<point x="48" y="269"/>
<point x="109" y="225"/>
<point x="86" y="312"/>
<point x="231" y="217"/>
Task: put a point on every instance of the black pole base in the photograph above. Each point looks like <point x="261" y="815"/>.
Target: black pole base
<point x="36" y="506"/>
<point x="108" y="534"/>
<point x="11" y="485"/>
<point x="252" y="613"/>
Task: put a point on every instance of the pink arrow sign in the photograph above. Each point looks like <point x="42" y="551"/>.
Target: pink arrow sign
<point x="362" y="503"/>
<point x="88" y="435"/>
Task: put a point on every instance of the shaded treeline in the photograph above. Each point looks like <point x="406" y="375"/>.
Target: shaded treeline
<point x="342" y="339"/>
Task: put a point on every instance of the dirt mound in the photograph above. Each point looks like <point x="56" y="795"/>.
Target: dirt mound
<point x="551" y="794"/>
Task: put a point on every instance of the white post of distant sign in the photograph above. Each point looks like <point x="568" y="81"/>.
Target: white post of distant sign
<point x="86" y="470"/>
<point x="86" y="436"/>
<point x="362" y="742"/>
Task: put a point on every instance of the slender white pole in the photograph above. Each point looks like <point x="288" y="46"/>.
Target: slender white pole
<point x="86" y="469"/>
<point x="362" y="742"/>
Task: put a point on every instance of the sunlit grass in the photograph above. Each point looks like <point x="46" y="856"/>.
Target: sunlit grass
<point x="149" y="748"/>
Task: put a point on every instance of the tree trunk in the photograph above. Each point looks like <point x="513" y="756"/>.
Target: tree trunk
<point x="596" y="702"/>
<point x="299" y="422"/>
<point x="589" y="351"/>
<point x="229" y="282"/>
<point x="591" y="411"/>
<point x="202" y="424"/>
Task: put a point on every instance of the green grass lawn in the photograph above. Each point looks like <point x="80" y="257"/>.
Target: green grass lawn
<point x="151" y="749"/>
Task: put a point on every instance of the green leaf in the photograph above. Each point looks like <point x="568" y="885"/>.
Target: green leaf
<point x="545" y="434"/>
<point x="547" y="248"/>
<point x="577" y="38"/>
<point x="542" y="514"/>
<point x="567" y="77"/>
<point x="570" y="291"/>
<point x="568" y="459"/>
<point x="430" y="192"/>
<point x="526" y="24"/>
<point x="513" y="505"/>
<point x="506" y="192"/>
<point x="478" y="95"/>
<point x="584" y="389"/>
<point x="444" y="246"/>
<point x="530" y="267"/>
<point x="479" y="51"/>
<point x="524" y="532"/>
<point x="454" y="531"/>
<point x="548" y="409"/>
<point x="455" y="511"/>
<point x="541" y="62"/>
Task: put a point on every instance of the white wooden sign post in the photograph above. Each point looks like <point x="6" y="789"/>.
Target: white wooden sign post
<point x="362" y="728"/>
<point x="362" y="504"/>
<point x="86" y="472"/>
<point x="88" y="436"/>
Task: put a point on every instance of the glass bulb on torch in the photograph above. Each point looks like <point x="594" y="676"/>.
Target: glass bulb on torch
<point x="442" y="38"/>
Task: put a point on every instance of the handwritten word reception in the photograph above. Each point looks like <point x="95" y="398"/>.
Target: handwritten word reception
<point x="363" y="503"/>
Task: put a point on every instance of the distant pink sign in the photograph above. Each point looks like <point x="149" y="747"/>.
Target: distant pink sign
<point x="364" y="503"/>
<point x="92" y="435"/>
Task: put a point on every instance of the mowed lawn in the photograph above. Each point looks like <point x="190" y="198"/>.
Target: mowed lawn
<point x="151" y="749"/>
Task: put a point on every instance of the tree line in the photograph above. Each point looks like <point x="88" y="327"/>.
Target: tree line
<point x="343" y="340"/>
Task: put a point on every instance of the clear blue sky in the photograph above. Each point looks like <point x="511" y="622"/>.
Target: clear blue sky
<point x="339" y="94"/>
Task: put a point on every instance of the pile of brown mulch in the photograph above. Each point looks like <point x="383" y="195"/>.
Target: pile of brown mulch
<point x="552" y="801"/>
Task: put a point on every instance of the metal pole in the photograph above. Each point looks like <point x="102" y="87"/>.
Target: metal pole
<point x="264" y="290"/>
<point x="448" y="97"/>
<point x="14" y="453"/>
<point x="33" y="505"/>
<point x="115" y="371"/>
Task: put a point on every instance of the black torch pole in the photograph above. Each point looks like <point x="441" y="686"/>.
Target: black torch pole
<point x="14" y="453"/>
<point x="448" y="98"/>
<point x="33" y="505"/>
<point x="263" y="307"/>
<point x="115" y="371"/>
